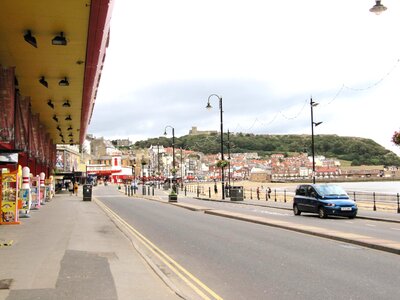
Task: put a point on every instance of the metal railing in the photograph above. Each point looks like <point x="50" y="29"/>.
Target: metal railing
<point x="366" y="200"/>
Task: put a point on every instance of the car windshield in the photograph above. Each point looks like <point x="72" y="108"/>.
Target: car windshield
<point x="330" y="190"/>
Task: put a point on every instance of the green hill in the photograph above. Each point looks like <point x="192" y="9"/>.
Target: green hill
<point x="359" y="151"/>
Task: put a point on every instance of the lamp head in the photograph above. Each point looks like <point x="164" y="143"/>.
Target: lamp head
<point x="50" y="103"/>
<point x="43" y="81"/>
<point x="165" y="132"/>
<point x="317" y="123"/>
<point x="208" y="105"/>
<point x="59" y="40"/>
<point x="63" y="82"/>
<point x="30" y="39"/>
<point x="378" y="8"/>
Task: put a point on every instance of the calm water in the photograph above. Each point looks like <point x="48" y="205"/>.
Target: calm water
<point x="391" y="187"/>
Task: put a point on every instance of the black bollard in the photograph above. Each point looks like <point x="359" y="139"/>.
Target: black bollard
<point x="373" y="194"/>
<point x="398" y="204"/>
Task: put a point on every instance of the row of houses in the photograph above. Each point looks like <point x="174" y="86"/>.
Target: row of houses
<point x="103" y="159"/>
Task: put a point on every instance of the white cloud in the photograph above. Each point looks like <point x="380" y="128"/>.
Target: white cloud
<point x="266" y="58"/>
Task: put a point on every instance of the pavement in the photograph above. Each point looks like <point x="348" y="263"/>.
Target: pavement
<point x="72" y="249"/>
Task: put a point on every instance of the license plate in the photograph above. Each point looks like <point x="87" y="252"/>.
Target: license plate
<point x="345" y="208"/>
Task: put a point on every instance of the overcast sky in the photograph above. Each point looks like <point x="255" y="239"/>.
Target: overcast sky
<point x="265" y="58"/>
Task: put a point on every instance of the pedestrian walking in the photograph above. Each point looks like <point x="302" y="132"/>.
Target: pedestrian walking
<point x="258" y="193"/>
<point x="76" y="188"/>
<point x="215" y="188"/>
<point x="269" y="193"/>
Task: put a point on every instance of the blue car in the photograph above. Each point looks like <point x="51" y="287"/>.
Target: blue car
<point x="324" y="199"/>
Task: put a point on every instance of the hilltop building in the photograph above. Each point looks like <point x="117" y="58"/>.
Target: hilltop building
<point x="194" y="131"/>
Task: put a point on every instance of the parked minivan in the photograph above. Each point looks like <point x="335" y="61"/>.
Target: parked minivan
<point x="324" y="199"/>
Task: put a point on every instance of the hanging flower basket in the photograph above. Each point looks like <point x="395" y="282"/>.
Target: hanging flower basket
<point x="396" y="138"/>
<point x="222" y="163"/>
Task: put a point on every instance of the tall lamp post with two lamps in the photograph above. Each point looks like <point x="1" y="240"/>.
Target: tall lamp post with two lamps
<point x="173" y="197"/>
<point x="222" y="140"/>
<point x="312" y="105"/>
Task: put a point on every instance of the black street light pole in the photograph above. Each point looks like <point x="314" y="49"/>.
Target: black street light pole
<point x="173" y="156"/>
<point x="229" y="161"/>
<point x="222" y="140"/>
<point x="313" y="104"/>
<point x="181" y="170"/>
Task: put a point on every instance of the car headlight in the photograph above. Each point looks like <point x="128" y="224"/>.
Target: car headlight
<point x="330" y="204"/>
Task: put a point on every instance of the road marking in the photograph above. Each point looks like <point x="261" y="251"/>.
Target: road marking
<point x="395" y="228"/>
<point x="370" y="225"/>
<point x="172" y="264"/>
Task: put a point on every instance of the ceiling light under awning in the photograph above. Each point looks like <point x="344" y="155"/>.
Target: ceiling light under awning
<point x="59" y="40"/>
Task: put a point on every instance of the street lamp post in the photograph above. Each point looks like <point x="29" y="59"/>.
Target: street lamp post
<point x="229" y="162"/>
<point x="222" y="139"/>
<point x="313" y="104"/>
<point x="181" y="169"/>
<point x="173" y="156"/>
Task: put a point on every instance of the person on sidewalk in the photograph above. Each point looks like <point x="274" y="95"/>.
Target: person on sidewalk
<point x="76" y="188"/>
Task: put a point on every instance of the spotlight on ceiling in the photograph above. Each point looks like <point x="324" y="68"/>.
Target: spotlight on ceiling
<point x="70" y="127"/>
<point x="66" y="103"/>
<point x="70" y="135"/>
<point x="50" y="103"/>
<point x="43" y="81"/>
<point x="62" y="140"/>
<point x="68" y="118"/>
<point x="55" y="118"/>
<point x="30" y="39"/>
<point x="71" y="141"/>
<point x="58" y="128"/>
<point x="61" y="135"/>
<point x="64" y="82"/>
<point x="59" y="40"/>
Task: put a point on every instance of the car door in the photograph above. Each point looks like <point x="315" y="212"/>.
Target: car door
<point x="300" y="197"/>
<point x="312" y="199"/>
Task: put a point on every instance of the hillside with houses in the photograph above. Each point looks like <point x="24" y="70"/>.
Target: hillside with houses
<point x="120" y="159"/>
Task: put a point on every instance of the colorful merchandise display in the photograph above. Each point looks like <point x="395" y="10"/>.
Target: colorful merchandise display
<point x="35" y="192"/>
<point x="9" y="204"/>
<point x="25" y="194"/>
<point x="42" y="188"/>
<point x="49" y="193"/>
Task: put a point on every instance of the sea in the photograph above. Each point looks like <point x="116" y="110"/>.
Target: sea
<point x="386" y="187"/>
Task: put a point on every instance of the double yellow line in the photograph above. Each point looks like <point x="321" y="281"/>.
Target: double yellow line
<point x="194" y="283"/>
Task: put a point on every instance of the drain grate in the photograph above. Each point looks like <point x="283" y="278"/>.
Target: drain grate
<point x="5" y="284"/>
<point x="4" y="243"/>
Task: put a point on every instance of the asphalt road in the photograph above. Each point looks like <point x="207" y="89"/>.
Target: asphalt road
<point x="375" y="229"/>
<point x="240" y="260"/>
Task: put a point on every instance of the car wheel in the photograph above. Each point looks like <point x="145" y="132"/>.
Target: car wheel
<point x="322" y="212"/>
<point x="296" y="210"/>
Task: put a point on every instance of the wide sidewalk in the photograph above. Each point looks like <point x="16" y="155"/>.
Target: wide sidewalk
<point x="70" y="249"/>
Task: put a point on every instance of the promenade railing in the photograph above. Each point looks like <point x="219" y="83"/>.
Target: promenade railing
<point x="365" y="200"/>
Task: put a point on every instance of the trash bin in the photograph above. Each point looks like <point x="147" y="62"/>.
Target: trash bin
<point x="87" y="192"/>
<point x="236" y="193"/>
